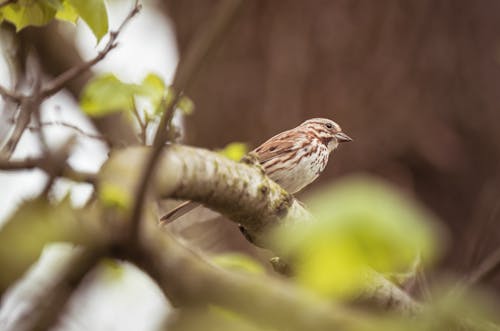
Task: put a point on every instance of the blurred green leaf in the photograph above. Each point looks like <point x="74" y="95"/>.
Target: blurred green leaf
<point x="238" y="262"/>
<point x="234" y="151"/>
<point x="154" y="87"/>
<point x="94" y="13"/>
<point x="24" y="13"/>
<point x="114" y="196"/>
<point x="362" y="223"/>
<point x="35" y="224"/>
<point x="107" y="94"/>
<point x="67" y="12"/>
<point x="186" y="105"/>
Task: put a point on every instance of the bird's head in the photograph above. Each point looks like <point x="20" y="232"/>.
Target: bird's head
<point x="329" y="132"/>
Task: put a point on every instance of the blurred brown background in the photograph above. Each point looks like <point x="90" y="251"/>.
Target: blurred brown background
<point x="415" y="83"/>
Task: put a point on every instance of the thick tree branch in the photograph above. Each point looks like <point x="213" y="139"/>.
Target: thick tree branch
<point x="239" y="191"/>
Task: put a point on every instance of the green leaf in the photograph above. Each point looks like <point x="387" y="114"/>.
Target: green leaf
<point x="362" y="224"/>
<point x="94" y="13"/>
<point x="24" y="13"/>
<point x="67" y="13"/>
<point x="107" y="94"/>
<point x="238" y="262"/>
<point x="234" y="151"/>
<point x="30" y="12"/>
<point x="155" y="89"/>
<point x="186" y="105"/>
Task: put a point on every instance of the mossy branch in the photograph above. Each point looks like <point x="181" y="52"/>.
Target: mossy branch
<point x="239" y="191"/>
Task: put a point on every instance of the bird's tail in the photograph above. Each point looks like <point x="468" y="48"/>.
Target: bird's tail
<point x="178" y="211"/>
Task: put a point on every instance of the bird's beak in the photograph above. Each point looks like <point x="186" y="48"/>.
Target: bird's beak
<point x="342" y="137"/>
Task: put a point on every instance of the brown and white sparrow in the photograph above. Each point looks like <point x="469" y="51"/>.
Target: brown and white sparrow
<point x="293" y="158"/>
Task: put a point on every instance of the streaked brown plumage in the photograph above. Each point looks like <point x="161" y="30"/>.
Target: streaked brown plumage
<point x="293" y="158"/>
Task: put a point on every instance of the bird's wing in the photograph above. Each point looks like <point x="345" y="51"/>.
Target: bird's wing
<point x="277" y="145"/>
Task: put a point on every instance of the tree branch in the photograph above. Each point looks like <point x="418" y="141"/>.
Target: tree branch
<point x="27" y="107"/>
<point x="26" y="164"/>
<point x="239" y="191"/>
<point x="10" y="95"/>
<point x="43" y="164"/>
<point x="69" y="126"/>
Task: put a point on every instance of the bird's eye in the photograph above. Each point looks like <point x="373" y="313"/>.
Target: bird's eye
<point x="329" y="125"/>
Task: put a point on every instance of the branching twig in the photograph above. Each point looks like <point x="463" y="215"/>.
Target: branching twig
<point x="142" y="124"/>
<point x="10" y="95"/>
<point x="195" y="54"/>
<point x="58" y="83"/>
<point x="25" y="164"/>
<point x="27" y="106"/>
<point x="69" y="126"/>
<point x="29" y="103"/>
<point x="42" y="163"/>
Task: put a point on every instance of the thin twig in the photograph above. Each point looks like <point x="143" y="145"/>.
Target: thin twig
<point x="26" y="108"/>
<point x="26" y="164"/>
<point x="58" y="83"/>
<point x="186" y="70"/>
<point x="69" y="126"/>
<point x="42" y="163"/>
<point x="142" y="124"/>
<point x="486" y="269"/>
<point x="37" y="74"/>
<point x="10" y="95"/>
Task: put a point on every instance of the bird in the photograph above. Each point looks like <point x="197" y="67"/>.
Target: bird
<point x="293" y="158"/>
